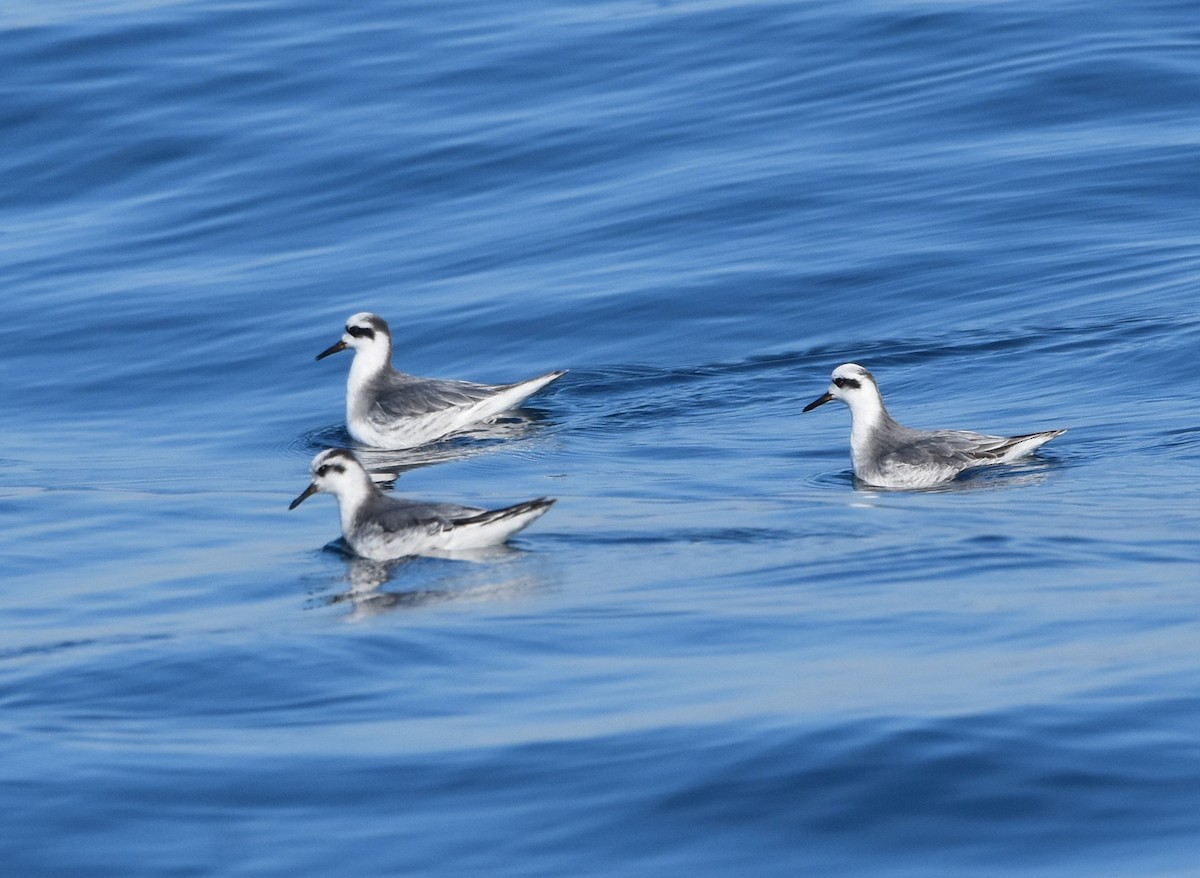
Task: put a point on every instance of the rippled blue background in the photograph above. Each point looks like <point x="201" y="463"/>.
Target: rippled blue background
<point x="715" y="656"/>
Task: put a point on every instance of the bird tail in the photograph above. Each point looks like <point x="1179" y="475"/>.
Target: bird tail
<point x="1019" y="446"/>
<point x="530" y="509"/>
<point x="510" y="396"/>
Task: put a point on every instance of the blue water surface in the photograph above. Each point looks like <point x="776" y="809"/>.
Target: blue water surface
<point x="717" y="655"/>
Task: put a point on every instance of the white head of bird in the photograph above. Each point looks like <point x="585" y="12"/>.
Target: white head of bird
<point x="370" y="338"/>
<point x="336" y="471"/>
<point x="856" y="387"/>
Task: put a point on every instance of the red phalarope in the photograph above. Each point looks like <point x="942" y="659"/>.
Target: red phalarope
<point x="380" y="527"/>
<point x="888" y="455"/>
<point x="389" y="409"/>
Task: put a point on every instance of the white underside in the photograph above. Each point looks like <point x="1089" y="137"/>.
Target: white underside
<point x="385" y="547"/>
<point x="906" y="476"/>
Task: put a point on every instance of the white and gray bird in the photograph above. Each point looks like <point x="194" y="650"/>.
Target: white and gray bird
<point x="380" y="527"/>
<point x="888" y="455"/>
<point x="389" y="409"/>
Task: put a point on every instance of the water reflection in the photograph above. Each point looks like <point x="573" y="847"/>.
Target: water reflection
<point x="385" y="465"/>
<point x="496" y="573"/>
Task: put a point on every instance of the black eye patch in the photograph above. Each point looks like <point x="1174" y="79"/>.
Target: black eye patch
<point x="852" y="383"/>
<point x="361" y="331"/>
<point x="325" y="470"/>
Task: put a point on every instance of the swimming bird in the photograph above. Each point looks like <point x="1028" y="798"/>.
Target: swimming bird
<point x="389" y="409"/>
<point x="380" y="527"/>
<point x="888" y="455"/>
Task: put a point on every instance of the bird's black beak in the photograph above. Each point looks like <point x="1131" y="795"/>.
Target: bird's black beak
<point x="332" y="349"/>
<point x="308" y="492"/>
<point x="820" y="400"/>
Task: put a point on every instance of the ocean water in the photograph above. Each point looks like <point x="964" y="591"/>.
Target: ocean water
<point x="717" y="655"/>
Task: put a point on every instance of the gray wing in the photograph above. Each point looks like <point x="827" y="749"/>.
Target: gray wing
<point x="396" y="514"/>
<point x="404" y="396"/>
<point x="955" y="448"/>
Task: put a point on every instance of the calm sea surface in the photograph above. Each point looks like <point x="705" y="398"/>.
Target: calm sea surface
<point x="716" y="656"/>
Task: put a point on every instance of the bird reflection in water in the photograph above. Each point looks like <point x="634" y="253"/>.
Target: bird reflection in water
<point x="497" y="573"/>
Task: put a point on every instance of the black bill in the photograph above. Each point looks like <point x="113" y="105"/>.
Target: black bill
<point x="820" y="400"/>
<point x="308" y="492"/>
<point x="332" y="349"/>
